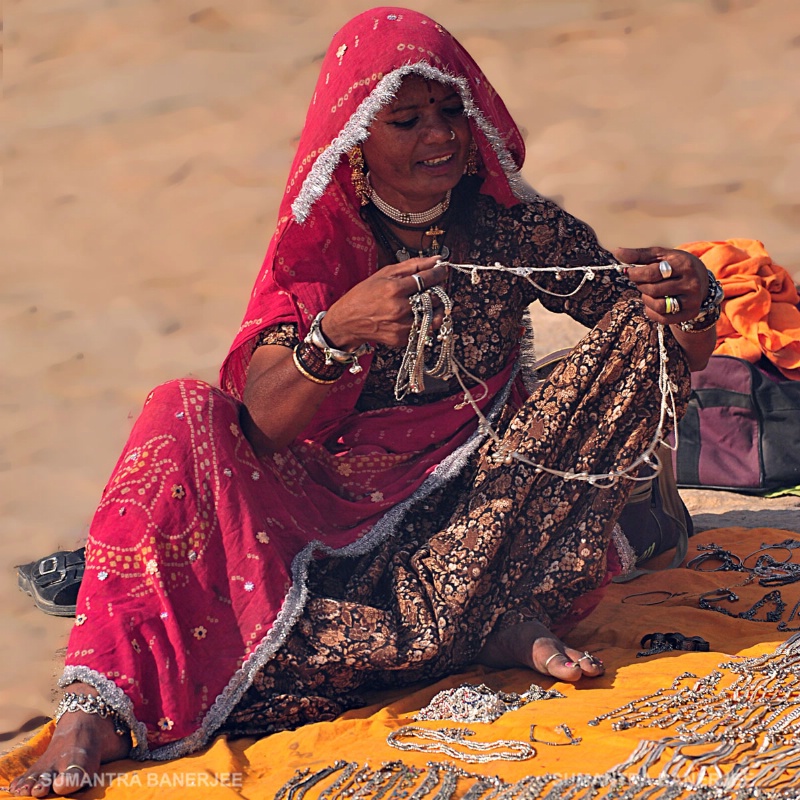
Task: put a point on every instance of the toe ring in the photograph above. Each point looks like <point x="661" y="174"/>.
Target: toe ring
<point x="85" y="777"/>
<point x="550" y="658"/>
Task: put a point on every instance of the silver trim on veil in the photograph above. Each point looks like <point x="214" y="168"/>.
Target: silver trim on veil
<point x="356" y="130"/>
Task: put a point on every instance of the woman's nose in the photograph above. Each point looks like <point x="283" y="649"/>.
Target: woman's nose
<point x="439" y="131"/>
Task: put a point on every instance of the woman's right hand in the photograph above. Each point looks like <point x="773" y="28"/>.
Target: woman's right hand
<point x="279" y="402"/>
<point x="377" y="309"/>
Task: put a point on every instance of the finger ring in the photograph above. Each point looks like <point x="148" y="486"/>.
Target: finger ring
<point x="420" y="283"/>
<point x="550" y="658"/>
<point x="665" y="268"/>
<point x="673" y="305"/>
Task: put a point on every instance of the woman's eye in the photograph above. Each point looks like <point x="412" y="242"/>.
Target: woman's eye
<point x="405" y="123"/>
<point x="455" y="111"/>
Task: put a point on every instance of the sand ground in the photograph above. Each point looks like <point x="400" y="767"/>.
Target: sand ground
<point x="147" y="147"/>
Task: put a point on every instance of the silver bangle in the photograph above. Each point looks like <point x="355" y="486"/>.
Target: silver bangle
<point x="90" y="704"/>
<point x="316" y="338"/>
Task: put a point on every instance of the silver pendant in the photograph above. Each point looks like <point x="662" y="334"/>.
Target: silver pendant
<point x="404" y="255"/>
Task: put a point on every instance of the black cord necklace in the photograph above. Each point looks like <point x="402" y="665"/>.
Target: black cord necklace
<point x="393" y="244"/>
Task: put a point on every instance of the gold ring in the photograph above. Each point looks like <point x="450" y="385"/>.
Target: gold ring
<point x="420" y="283"/>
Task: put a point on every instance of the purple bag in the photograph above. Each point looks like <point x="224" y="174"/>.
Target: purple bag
<point x="741" y="431"/>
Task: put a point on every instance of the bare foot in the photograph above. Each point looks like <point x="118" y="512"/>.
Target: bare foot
<point x="531" y="645"/>
<point x="81" y="743"/>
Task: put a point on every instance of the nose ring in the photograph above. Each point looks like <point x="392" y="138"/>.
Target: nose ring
<point x="452" y="135"/>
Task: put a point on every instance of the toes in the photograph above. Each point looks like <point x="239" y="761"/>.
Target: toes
<point x="72" y="779"/>
<point x="560" y="665"/>
<point x="589" y="664"/>
<point x="21" y="787"/>
<point x="570" y="665"/>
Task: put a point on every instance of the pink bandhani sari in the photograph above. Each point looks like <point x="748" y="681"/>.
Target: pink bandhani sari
<point x="198" y="550"/>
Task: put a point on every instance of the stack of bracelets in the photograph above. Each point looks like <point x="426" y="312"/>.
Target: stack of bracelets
<point x="320" y="362"/>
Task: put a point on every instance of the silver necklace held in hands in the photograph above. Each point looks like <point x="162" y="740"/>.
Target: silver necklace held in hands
<point x="412" y="372"/>
<point x="448" y="740"/>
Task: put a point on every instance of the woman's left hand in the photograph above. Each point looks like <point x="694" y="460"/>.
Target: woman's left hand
<point x="666" y="277"/>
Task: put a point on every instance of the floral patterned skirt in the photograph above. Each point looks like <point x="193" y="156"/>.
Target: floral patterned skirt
<point x="499" y="544"/>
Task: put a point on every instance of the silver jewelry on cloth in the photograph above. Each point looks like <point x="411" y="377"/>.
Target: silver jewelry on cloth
<point x="409" y="217"/>
<point x="479" y="703"/>
<point x="447" y="740"/>
<point x="563" y="728"/>
<point x="418" y="280"/>
<point x="665" y="268"/>
<point x="673" y="305"/>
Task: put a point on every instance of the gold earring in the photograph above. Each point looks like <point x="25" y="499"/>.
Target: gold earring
<point x="358" y="176"/>
<point x="471" y="167"/>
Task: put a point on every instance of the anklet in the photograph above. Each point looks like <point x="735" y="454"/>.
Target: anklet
<point x="90" y="704"/>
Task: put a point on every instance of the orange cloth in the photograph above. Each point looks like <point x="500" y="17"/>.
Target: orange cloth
<point x="760" y="314"/>
<point x="257" y="768"/>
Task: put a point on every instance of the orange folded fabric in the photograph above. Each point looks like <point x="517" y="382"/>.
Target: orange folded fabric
<point x="760" y="314"/>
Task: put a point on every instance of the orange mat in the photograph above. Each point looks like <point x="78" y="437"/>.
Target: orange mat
<point x="258" y="768"/>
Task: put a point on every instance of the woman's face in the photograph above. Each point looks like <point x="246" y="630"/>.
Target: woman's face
<point x="418" y="145"/>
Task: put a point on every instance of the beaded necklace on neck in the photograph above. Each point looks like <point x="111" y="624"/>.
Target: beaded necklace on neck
<point x="409" y="217"/>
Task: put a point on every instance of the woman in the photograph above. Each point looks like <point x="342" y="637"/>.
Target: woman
<point x="335" y="520"/>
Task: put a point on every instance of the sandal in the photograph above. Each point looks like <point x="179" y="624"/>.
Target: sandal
<point x="53" y="581"/>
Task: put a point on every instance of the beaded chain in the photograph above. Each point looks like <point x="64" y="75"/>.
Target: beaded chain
<point x="747" y="725"/>
<point x="454" y="742"/>
<point x="412" y="372"/>
<point x="735" y="737"/>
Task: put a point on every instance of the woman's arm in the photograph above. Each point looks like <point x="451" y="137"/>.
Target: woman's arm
<point x="280" y="400"/>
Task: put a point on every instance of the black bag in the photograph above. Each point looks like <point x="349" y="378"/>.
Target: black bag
<point x="655" y="518"/>
<point x="741" y="431"/>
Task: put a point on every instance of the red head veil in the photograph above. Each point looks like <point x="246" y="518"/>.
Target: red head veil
<point x="322" y="247"/>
